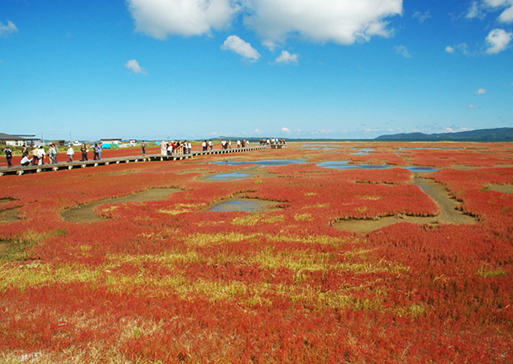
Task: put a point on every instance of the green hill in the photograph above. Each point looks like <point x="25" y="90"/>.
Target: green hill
<point x="482" y="135"/>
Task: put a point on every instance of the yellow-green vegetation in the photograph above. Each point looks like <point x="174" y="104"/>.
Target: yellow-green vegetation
<point x="488" y="272"/>
<point x="19" y="248"/>
<point x="303" y="217"/>
<point x="181" y="208"/>
<point x="257" y="219"/>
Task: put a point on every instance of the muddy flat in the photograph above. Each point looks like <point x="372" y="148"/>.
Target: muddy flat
<point x="447" y="214"/>
<point x="502" y="188"/>
<point x="85" y="213"/>
<point x="9" y="215"/>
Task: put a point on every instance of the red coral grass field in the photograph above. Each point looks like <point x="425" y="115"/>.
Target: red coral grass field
<point x="94" y="271"/>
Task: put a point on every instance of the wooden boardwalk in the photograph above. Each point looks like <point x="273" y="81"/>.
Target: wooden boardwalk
<point x="20" y="170"/>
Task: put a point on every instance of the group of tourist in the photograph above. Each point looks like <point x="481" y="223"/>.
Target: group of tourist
<point x="225" y="144"/>
<point x="173" y="148"/>
<point x="38" y="155"/>
<point x="272" y="141"/>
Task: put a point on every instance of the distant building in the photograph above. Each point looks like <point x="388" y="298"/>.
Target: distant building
<point x="112" y="141"/>
<point x="18" y="140"/>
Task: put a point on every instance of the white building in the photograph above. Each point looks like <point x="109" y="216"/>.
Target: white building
<point x="19" y="140"/>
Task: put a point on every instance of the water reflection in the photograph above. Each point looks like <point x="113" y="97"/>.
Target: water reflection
<point x="228" y="176"/>
<point x="244" y="204"/>
<point x="263" y="163"/>
<point x="346" y="165"/>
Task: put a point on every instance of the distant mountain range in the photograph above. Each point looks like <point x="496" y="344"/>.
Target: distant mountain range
<point x="498" y="134"/>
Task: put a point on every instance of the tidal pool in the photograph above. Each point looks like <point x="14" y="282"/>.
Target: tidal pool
<point x="264" y="163"/>
<point x="346" y="165"/>
<point x="228" y="176"/>
<point x="243" y="204"/>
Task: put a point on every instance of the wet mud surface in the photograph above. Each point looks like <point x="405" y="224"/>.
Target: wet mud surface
<point x="8" y="215"/>
<point x="243" y="204"/>
<point x="447" y="214"/>
<point x="85" y="213"/>
<point x="502" y="188"/>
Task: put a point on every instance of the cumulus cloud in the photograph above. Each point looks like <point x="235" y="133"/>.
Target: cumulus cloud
<point x="162" y="18"/>
<point x="240" y="47"/>
<point x="472" y="106"/>
<point x="286" y="57"/>
<point x="480" y="9"/>
<point x="450" y="49"/>
<point x="481" y="91"/>
<point x="7" y="29"/>
<point x="134" y="66"/>
<point x="339" y="21"/>
<point x="286" y="130"/>
<point x="403" y="51"/>
<point x="507" y="15"/>
<point x="498" y="40"/>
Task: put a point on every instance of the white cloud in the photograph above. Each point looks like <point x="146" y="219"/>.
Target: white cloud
<point x="421" y="16"/>
<point x="7" y="29"/>
<point x="472" y="106"/>
<point x="475" y="11"/>
<point x="492" y="5"/>
<point x="403" y="51"/>
<point x="481" y="91"/>
<point x="286" y="57"/>
<point x="461" y="48"/>
<point x="240" y="47"/>
<point x="498" y="40"/>
<point x="507" y="15"/>
<point x="135" y="67"/>
<point x="162" y="18"/>
<point x="285" y="130"/>
<point x="339" y="21"/>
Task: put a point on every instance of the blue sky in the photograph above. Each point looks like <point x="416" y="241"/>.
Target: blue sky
<point x="192" y="69"/>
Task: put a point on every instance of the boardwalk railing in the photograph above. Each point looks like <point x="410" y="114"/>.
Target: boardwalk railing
<point x="19" y="170"/>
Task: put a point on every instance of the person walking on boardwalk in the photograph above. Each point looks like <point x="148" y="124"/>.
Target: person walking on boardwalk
<point x="41" y="155"/>
<point x="204" y="145"/>
<point x="211" y="144"/>
<point x="24" y="151"/>
<point x="84" y="151"/>
<point x="95" y="152"/>
<point x="52" y="153"/>
<point x="143" y="147"/>
<point x="8" y="156"/>
<point x="163" y="148"/>
<point x="34" y="156"/>
<point x="100" y="150"/>
<point x="70" y="152"/>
